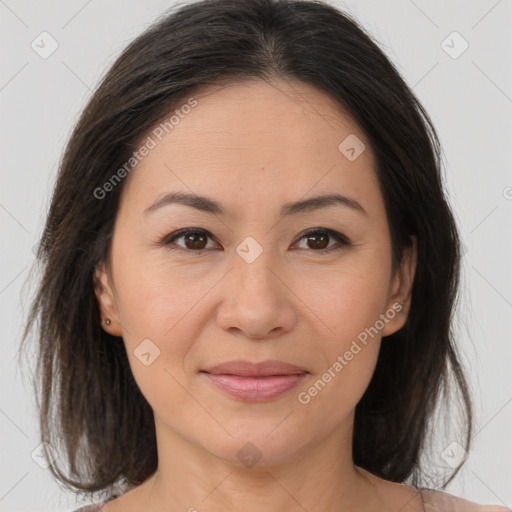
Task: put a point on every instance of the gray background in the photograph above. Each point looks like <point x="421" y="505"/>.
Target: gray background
<point x="468" y="98"/>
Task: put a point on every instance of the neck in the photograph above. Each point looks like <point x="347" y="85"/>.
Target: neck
<point x="321" y="478"/>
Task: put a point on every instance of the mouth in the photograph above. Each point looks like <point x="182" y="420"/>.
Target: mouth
<point x="255" y="382"/>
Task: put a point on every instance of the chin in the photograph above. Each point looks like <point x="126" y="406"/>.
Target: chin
<point x="257" y="445"/>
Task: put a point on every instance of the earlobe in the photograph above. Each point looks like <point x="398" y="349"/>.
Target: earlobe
<point x="401" y="293"/>
<point x="106" y="301"/>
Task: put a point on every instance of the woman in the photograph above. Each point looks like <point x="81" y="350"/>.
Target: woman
<point x="250" y="268"/>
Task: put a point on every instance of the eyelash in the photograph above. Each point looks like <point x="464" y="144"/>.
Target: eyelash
<point x="340" y="238"/>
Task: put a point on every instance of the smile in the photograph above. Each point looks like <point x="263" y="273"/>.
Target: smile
<point x="255" y="389"/>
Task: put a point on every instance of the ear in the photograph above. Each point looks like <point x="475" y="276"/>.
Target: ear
<point x="399" y="301"/>
<point x="106" y="301"/>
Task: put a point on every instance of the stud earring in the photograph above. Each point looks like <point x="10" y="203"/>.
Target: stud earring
<point x="107" y="321"/>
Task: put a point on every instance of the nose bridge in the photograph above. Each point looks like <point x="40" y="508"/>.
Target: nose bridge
<point x="254" y="267"/>
<point x="258" y="302"/>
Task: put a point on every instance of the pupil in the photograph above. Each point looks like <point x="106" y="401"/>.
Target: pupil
<point x="314" y="238"/>
<point x="192" y="238"/>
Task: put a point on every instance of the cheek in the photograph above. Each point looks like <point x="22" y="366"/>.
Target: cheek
<point x="348" y="299"/>
<point x="167" y="305"/>
<point x="349" y="356"/>
<point x="348" y="304"/>
<point x="160" y="320"/>
<point x="155" y="296"/>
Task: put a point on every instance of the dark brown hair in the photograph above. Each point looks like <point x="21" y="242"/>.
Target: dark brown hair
<point x="91" y="409"/>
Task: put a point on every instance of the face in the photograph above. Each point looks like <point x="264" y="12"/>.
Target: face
<point x="251" y="278"/>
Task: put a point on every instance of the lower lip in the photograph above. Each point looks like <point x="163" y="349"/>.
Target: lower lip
<point x="255" y="389"/>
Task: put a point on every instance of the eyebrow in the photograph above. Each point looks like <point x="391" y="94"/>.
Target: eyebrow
<point x="209" y="205"/>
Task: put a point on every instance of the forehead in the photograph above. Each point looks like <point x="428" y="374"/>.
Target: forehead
<point x="255" y="141"/>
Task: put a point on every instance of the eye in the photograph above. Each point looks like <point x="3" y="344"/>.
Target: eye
<point x="196" y="239"/>
<point x="318" y="239"/>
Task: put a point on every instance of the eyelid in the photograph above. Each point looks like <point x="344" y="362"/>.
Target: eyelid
<point x="339" y="237"/>
<point x="167" y="240"/>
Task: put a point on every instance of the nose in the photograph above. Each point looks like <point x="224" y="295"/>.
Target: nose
<point x="257" y="302"/>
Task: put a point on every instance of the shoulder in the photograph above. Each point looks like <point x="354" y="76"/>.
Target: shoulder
<point x="89" y="508"/>
<point x="97" y="507"/>
<point x="440" y="501"/>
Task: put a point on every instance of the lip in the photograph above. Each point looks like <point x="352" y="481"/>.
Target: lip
<point x="255" y="382"/>
<point x="261" y="369"/>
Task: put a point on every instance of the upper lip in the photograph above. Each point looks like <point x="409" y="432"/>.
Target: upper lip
<point x="260" y="369"/>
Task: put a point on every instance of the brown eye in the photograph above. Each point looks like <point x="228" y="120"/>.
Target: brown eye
<point x="196" y="240"/>
<point x="193" y="239"/>
<point x="318" y="240"/>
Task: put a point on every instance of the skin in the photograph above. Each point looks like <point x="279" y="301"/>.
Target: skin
<point x="253" y="146"/>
